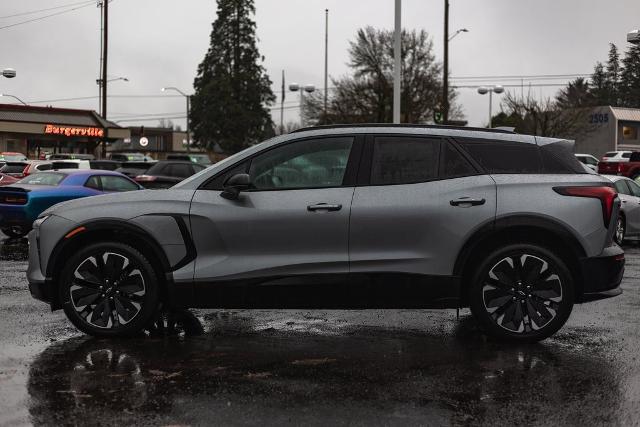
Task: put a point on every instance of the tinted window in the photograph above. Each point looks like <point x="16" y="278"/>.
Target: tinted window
<point x="591" y="161"/>
<point x="43" y="167"/>
<point x="404" y="160"/>
<point x="117" y="183"/>
<point x="626" y="155"/>
<point x="44" y="178"/>
<point x="157" y="169"/>
<point x="504" y="156"/>
<point x="302" y="164"/>
<point x="179" y="170"/>
<point x="217" y="183"/>
<point x="558" y="157"/>
<point x="12" y="168"/>
<point x="621" y="187"/>
<point x="453" y="164"/>
<point x="65" y="165"/>
<point x="93" y="182"/>
<point x="610" y="154"/>
<point x="635" y="188"/>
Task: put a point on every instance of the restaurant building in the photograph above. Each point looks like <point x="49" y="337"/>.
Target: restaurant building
<point x="37" y="131"/>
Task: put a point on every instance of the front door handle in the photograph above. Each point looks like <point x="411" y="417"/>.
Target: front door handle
<point x="323" y="207"/>
<point x="467" y="201"/>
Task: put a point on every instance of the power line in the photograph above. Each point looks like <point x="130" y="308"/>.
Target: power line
<point x="47" y="9"/>
<point x="44" y="17"/>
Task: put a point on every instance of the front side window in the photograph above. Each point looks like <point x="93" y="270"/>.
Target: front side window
<point x="621" y="187"/>
<point x="117" y="184"/>
<point x="635" y="188"/>
<point x="312" y="163"/>
<point x="404" y="160"/>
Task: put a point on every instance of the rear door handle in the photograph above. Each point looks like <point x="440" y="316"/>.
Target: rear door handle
<point x="323" y="207"/>
<point x="462" y="201"/>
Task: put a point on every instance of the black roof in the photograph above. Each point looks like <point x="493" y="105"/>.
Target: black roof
<point x="402" y="125"/>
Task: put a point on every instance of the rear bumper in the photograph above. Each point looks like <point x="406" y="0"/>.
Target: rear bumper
<point x="602" y="274"/>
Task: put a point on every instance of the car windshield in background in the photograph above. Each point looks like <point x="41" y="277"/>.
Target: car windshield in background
<point x="9" y="168"/>
<point x="13" y="158"/>
<point x="44" y="178"/>
<point x="201" y="159"/>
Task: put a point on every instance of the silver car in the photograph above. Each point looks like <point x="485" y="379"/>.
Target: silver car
<point x="345" y="217"/>
<point x="628" y="223"/>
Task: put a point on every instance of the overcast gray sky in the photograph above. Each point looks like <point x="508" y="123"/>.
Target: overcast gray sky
<point x="159" y="43"/>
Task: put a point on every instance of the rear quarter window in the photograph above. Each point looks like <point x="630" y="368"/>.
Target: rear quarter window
<point x="504" y="157"/>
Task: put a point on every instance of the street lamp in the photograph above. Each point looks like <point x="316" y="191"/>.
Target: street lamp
<point x="295" y="87"/>
<point x="633" y="36"/>
<point x="461" y="30"/>
<point x="9" y="73"/>
<point x="497" y="89"/>
<point x="14" y="97"/>
<point x="188" y="98"/>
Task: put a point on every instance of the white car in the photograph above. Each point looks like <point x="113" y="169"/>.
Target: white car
<point x="589" y="161"/>
<point x="616" y="156"/>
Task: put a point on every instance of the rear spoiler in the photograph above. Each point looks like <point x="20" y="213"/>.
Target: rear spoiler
<point x="9" y="188"/>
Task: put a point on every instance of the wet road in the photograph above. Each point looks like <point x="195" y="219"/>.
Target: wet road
<point x="269" y="367"/>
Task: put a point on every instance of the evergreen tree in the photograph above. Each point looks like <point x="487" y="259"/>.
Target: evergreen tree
<point x="613" y="76"/>
<point x="232" y="90"/>
<point x="576" y="95"/>
<point x="630" y="78"/>
<point x="599" y="85"/>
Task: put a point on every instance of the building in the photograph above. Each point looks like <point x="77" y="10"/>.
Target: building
<point x="609" y="129"/>
<point x="158" y="143"/>
<point x="36" y="131"/>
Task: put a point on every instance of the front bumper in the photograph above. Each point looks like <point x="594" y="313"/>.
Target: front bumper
<point x="38" y="285"/>
<point x="602" y="274"/>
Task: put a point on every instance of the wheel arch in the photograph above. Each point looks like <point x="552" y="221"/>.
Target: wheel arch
<point x="544" y="231"/>
<point x="110" y="231"/>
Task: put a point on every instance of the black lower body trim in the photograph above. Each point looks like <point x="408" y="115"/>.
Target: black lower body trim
<point x="602" y="274"/>
<point x="595" y="296"/>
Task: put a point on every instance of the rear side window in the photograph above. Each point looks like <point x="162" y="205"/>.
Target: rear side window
<point x="558" y="157"/>
<point x="116" y="184"/>
<point x="503" y="156"/>
<point x="635" y="188"/>
<point x="404" y="160"/>
<point x="626" y="155"/>
<point x="610" y="154"/>
<point x="453" y="164"/>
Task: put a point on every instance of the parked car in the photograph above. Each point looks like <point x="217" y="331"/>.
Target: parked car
<point x="8" y="156"/>
<point x="345" y="217"/>
<point x="34" y="166"/>
<point x="22" y="201"/>
<point x="200" y="158"/>
<point x="629" y="167"/>
<point x="133" y="169"/>
<point x="167" y="173"/>
<point x="15" y="169"/>
<point x="7" y="179"/>
<point x="590" y="161"/>
<point x="628" y="223"/>
<point x="616" y="156"/>
<point x="127" y="157"/>
<point x="71" y="156"/>
<point x="108" y="165"/>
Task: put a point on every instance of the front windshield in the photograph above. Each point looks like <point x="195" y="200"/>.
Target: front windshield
<point x="43" y="178"/>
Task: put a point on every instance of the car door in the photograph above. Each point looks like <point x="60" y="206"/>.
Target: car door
<point x="630" y="205"/>
<point x="421" y="201"/>
<point x="293" y="221"/>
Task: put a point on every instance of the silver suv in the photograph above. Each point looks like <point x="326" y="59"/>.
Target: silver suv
<point x="345" y="217"/>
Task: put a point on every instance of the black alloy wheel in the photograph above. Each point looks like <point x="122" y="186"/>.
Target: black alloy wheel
<point x="109" y="289"/>
<point x="523" y="293"/>
<point x="15" y="231"/>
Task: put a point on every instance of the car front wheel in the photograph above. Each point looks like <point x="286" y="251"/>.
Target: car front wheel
<point x="521" y="292"/>
<point x="15" y="232"/>
<point x="109" y="289"/>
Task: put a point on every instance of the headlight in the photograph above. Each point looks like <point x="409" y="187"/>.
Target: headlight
<point x="38" y="222"/>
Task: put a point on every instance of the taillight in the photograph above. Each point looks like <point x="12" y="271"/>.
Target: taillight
<point x="619" y="167"/>
<point x="13" y="200"/>
<point x="606" y="195"/>
<point x="25" y="171"/>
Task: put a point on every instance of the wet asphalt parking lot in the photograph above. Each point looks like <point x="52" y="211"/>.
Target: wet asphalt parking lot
<point x="282" y="367"/>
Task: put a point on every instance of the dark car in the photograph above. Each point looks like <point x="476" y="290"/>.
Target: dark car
<point x="199" y="158"/>
<point x="71" y="156"/>
<point x="15" y="169"/>
<point x="107" y="165"/>
<point x="167" y="173"/>
<point x="133" y="169"/>
<point x="127" y="157"/>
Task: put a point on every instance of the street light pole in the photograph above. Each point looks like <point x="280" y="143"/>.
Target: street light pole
<point x="445" y="68"/>
<point x="294" y="87"/>
<point x="497" y="89"/>
<point x="326" y="59"/>
<point x="14" y="97"/>
<point x="397" y="45"/>
<point x="188" y="97"/>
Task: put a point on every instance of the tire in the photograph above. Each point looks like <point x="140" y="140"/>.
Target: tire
<point x="15" y="232"/>
<point x="522" y="293"/>
<point x="621" y="230"/>
<point x="109" y="290"/>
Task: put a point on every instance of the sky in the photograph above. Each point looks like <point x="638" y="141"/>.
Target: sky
<point x="156" y="43"/>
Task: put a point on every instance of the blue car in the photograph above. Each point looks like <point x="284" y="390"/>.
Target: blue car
<point x="23" y="201"/>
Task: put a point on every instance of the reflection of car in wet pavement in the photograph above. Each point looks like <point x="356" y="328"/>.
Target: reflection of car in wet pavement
<point x="22" y="201"/>
<point x="509" y="225"/>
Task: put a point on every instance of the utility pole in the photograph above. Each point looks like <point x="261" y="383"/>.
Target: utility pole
<point x="445" y="70"/>
<point x="326" y="59"/>
<point x="282" y="106"/>
<point x="105" y="44"/>
<point x="397" y="45"/>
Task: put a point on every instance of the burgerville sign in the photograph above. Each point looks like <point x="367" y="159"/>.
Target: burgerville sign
<point x="73" y="131"/>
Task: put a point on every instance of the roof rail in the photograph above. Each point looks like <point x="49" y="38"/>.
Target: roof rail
<point x="404" y="125"/>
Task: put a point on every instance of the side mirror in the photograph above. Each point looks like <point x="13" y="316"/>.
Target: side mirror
<point x="235" y="184"/>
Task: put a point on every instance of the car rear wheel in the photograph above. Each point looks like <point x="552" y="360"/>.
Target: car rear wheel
<point x="521" y="292"/>
<point x="15" y="232"/>
<point x="620" y="230"/>
<point x="109" y="289"/>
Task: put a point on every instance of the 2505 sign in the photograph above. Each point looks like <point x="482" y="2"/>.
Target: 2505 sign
<point x="598" y="118"/>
